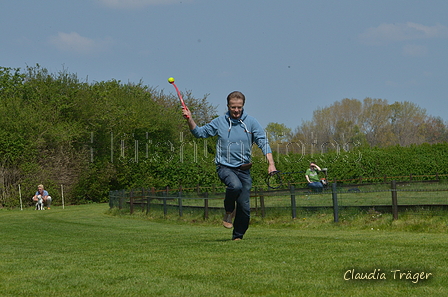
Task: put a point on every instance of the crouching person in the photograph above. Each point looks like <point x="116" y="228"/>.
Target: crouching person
<point x="312" y="177"/>
<point x="45" y="197"/>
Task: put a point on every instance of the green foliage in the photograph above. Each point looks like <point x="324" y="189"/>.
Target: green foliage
<point x="368" y="164"/>
<point x="277" y="132"/>
<point x="90" y="137"/>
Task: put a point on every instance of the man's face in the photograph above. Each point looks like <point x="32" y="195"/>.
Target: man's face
<point x="235" y="107"/>
<point x="40" y="190"/>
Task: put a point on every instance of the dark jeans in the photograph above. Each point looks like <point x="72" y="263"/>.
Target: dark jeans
<point x="239" y="183"/>
<point x="316" y="186"/>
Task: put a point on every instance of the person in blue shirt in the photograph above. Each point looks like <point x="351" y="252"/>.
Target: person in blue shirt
<point x="42" y="192"/>
<point x="237" y="132"/>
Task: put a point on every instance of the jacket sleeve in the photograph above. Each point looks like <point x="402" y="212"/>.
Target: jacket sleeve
<point x="259" y="137"/>
<point x="208" y="130"/>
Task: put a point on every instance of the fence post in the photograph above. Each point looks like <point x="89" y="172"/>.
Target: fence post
<point x="335" y="203"/>
<point x="258" y="191"/>
<point x="148" y="199"/>
<point x="394" y="199"/>
<point x="263" y="210"/>
<point x="293" y="201"/>
<point x="165" y="206"/>
<point x="180" y="201"/>
<point x="205" y="205"/>
<point x="131" y="201"/>
<point x="143" y="199"/>
<point x="121" y="199"/>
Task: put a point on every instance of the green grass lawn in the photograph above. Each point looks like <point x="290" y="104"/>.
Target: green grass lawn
<point x="86" y="251"/>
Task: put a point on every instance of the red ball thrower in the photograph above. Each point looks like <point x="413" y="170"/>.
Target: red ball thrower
<point x="171" y="81"/>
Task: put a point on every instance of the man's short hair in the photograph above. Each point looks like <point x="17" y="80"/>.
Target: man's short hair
<point x="236" y="95"/>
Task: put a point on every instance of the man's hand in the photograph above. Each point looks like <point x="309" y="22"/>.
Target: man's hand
<point x="271" y="168"/>
<point x="186" y="113"/>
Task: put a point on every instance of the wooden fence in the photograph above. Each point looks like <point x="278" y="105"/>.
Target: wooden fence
<point x="389" y="197"/>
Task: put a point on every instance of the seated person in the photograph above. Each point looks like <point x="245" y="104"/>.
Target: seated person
<point x="312" y="177"/>
<point x="44" y="194"/>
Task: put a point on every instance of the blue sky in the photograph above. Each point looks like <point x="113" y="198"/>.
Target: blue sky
<point x="288" y="57"/>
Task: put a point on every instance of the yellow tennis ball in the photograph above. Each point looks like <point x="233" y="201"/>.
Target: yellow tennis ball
<point x="171" y="80"/>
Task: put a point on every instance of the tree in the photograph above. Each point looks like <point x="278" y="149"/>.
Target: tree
<point x="277" y="133"/>
<point x="375" y="119"/>
<point x="91" y="137"/>
<point x="407" y="120"/>
<point x="372" y="122"/>
<point x="435" y="130"/>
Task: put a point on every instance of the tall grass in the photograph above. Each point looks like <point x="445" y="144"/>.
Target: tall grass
<point x="88" y="251"/>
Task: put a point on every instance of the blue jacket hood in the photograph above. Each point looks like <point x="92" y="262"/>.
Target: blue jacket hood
<point x="233" y="121"/>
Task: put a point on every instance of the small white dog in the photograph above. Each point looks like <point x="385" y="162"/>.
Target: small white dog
<point x="40" y="203"/>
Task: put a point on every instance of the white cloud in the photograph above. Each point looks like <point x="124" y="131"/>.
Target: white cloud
<point x="414" y="50"/>
<point x="137" y="3"/>
<point x="387" y="33"/>
<point x="73" y="42"/>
